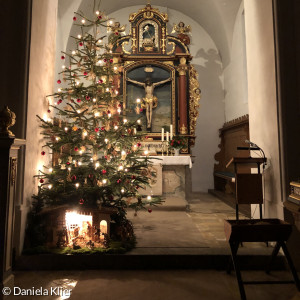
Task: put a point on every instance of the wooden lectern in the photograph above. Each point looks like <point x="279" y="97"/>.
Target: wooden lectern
<point x="248" y="186"/>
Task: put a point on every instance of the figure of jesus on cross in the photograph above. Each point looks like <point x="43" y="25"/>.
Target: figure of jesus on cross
<point x="150" y="101"/>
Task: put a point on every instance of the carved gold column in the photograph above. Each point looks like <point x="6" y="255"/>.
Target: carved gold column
<point x="183" y="121"/>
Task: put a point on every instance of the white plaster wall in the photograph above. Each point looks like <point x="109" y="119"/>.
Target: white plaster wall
<point x="262" y="97"/>
<point x="235" y="74"/>
<point x="41" y="77"/>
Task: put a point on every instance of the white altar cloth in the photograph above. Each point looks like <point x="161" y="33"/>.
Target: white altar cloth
<point x="173" y="160"/>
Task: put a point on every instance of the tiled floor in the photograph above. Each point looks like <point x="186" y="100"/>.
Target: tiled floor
<point x="152" y="285"/>
<point x="197" y="231"/>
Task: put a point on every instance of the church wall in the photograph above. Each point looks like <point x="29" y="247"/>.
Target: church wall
<point x="235" y="74"/>
<point x="41" y="77"/>
<point x="263" y="113"/>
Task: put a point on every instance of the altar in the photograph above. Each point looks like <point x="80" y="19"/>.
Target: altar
<point x="172" y="173"/>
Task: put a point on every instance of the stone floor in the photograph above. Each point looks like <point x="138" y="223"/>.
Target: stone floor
<point x="170" y="229"/>
<point x="151" y="285"/>
<point x="167" y="230"/>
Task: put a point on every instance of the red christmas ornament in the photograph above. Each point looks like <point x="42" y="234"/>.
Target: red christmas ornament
<point x="117" y="33"/>
<point x="59" y="101"/>
<point x="111" y="197"/>
<point x="49" y="111"/>
<point x="87" y="97"/>
<point x="85" y="73"/>
<point x="73" y="177"/>
<point x="105" y="60"/>
<point x="97" y="129"/>
<point x="99" y="17"/>
<point x="76" y="148"/>
<point x="105" y="157"/>
<point x="133" y="177"/>
<point x="59" y="81"/>
<point x="90" y="175"/>
<point x="103" y="172"/>
<point x="119" y="105"/>
<point x="111" y="60"/>
<point x="42" y="180"/>
<point x="141" y="109"/>
<point x="43" y="152"/>
<point x="74" y="18"/>
<point x="102" y="128"/>
<point x="78" y="100"/>
<point x="62" y="57"/>
<point x="100" y="81"/>
<point x="108" y="112"/>
<point x="139" y="144"/>
<point x="68" y="163"/>
<point x="81" y="44"/>
<point x="81" y="201"/>
<point x="149" y="210"/>
<point x="119" y="181"/>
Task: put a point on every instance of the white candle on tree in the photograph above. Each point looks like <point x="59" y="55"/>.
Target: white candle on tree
<point x="162" y="134"/>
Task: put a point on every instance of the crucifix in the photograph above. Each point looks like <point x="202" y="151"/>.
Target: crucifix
<point x="150" y="101"/>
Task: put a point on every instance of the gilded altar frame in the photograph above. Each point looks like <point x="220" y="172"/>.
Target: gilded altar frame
<point x="149" y="43"/>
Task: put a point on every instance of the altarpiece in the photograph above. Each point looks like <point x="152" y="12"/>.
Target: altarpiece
<point x="158" y="83"/>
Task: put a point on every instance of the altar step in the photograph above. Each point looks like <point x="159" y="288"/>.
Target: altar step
<point x="143" y="262"/>
<point x="172" y="203"/>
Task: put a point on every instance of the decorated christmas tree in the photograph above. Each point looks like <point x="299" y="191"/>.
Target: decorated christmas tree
<point x="95" y="153"/>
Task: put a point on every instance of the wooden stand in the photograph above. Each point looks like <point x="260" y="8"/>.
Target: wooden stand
<point x="259" y="231"/>
<point x="248" y="186"/>
<point x="9" y="147"/>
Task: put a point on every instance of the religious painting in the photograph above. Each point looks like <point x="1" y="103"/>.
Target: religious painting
<point x="149" y="96"/>
<point x="148" y="36"/>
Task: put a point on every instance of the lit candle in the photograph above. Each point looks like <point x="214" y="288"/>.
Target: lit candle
<point x="171" y="131"/>
<point x="162" y="134"/>
<point x="167" y="136"/>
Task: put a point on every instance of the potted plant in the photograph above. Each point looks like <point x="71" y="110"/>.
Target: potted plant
<point x="177" y="143"/>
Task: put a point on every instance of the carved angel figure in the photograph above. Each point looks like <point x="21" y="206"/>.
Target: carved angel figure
<point x="180" y="28"/>
<point x="116" y="28"/>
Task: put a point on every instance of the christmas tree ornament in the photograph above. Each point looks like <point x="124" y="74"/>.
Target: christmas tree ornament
<point x="81" y="201"/>
<point x="43" y="153"/>
<point x="42" y="180"/>
<point x="149" y="210"/>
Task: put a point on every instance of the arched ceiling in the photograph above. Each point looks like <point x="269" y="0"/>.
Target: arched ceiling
<point x="217" y="17"/>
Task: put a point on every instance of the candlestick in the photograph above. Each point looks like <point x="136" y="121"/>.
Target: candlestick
<point x="171" y="131"/>
<point x="167" y="136"/>
<point x="162" y="134"/>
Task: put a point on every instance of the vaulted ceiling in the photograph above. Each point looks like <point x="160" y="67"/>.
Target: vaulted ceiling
<point x="217" y="17"/>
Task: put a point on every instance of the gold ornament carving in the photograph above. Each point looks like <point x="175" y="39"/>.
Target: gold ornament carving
<point x="183" y="129"/>
<point x="173" y="48"/>
<point x="195" y="95"/>
<point x="7" y="119"/>
<point x="182" y="68"/>
<point x="123" y="47"/>
<point x="13" y="170"/>
<point x="148" y="12"/>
